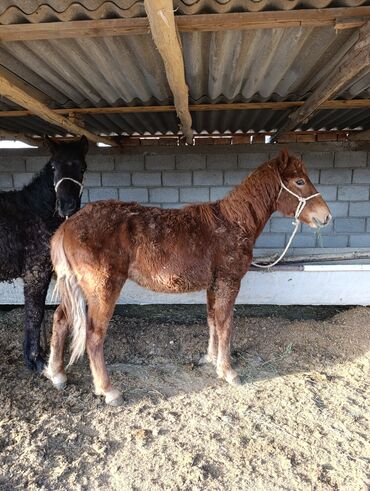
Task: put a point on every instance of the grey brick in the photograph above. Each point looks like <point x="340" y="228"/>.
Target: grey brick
<point x="251" y="160"/>
<point x="353" y="193"/>
<point x="335" y="176"/>
<point x="350" y="159"/>
<point x="219" y="193"/>
<point x="304" y="240"/>
<point x="22" y="179"/>
<point x="129" y="162"/>
<point x="349" y="225"/>
<point x="368" y="225"/>
<point x="359" y="209"/>
<point x="146" y="178"/>
<point x="176" y="178"/>
<point x="361" y="176"/>
<point x="92" y="179"/>
<point x="6" y="181"/>
<point x="97" y="194"/>
<point x="35" y="164"/>
<point x="85" y="197"/>
<point x="164" y="195"/>
<point x="13" y="164"/>
<point x="134" y="194"/>
<point x="338" y="209"/>
<point x="207" y="178"/>
<point x="194" y="195"/>
<point x="222" y="161"/>
<point x="100" y="162"/>
<point x="325" y="230"/>
<point x="116" y="179"/>
<point x="190" y="162"/>
<point x="327" y="192"/>
<point x="271" y="240"/>
<point x="334" y="241"/>
<point x="173" y="205"/>
<point x="359" y="240"/>
<point x="234" y="177"/>
<point x="281" y="224"/>
<point x="159" y="162"/>
<point x="318" y="160"/>
<point x="314" y="175"/>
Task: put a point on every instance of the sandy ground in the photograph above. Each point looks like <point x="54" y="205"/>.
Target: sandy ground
<point x="298" y="422"/>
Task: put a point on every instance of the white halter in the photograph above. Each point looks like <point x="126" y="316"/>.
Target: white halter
<point x="80" y="184"/>
<point x="302" y="203"/>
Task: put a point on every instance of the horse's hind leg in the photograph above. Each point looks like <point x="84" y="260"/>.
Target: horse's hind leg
<point x="55" y="369"/>
<point x="211" y="356"/>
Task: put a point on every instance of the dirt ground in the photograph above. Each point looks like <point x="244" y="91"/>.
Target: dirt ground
<point x="298" y="422"/>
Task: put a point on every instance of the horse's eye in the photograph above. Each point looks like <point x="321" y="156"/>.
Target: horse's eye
<point x="300" y="182"/>
<point x="52" y="166"/>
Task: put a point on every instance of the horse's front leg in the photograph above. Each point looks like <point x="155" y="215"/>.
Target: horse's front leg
<point x="226" y="293"/>
<point x="211" y="355"/>
<point x="35" y="290"/>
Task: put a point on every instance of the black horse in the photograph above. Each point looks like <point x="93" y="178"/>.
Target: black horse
<point x="28" y="218"/>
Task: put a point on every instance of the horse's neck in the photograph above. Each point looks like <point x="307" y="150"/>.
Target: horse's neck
<point x="251" y="204"/>
<point x="40" y="194"/>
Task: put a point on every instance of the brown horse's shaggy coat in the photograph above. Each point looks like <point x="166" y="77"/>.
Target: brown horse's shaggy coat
<point x="205" y="246"/>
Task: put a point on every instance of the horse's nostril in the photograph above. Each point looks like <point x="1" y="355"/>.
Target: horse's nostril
<point x="327" y="219"/>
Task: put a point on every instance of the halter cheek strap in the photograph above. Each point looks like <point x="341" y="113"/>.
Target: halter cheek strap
<point x="80" y="184"/>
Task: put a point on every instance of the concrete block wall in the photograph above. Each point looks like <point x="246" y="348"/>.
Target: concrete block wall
<point x="175" y="179"/>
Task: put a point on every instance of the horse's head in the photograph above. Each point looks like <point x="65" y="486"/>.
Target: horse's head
<point x="298" y="196"/>
<point x="68" y="164"/>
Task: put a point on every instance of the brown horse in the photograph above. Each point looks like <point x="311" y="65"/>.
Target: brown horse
<point x="203" y="246"/>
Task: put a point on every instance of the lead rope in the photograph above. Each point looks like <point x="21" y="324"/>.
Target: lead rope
<point x="298" y="211"/>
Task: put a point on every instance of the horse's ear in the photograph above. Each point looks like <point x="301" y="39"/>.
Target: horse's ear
<point x="84" y="143"/>
<point x="283" y="159"/>
<point x="50" y="144"/>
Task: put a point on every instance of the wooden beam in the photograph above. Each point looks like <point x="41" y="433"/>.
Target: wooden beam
<point x="14" y="136"/>
<point x="354" y="62"/>
<point x="339" y="18"/>
<point x="22" y="98"/>
<point x="360" y="135"/>
<point x="163" y="29"/>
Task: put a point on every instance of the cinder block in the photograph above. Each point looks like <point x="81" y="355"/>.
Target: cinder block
<point x="306" y="229"/>
<point x="6" y="181"/>
<point x="13" y="164"/>
<point x="334" y="241"/>
<point x="338" y="209"/>
<point x="164" y="195"/>
<point x="85" y="197"/>
<point x="271" y="241"/>
<point x="359" y="240"/>
<point x="349" y="225"/>
<point x="97" y="194"/>
<point x="220" y="192"/>
<point x="173" y="205"/>
<point x="353" y="193"/>
<point x="350" y="159"/>
<point x="134" y="194"/>
<point x="304" y="240"/>
<point x="207" y="178"/>
<point x="361" y="176"/>
<point x="318" y="160"/>
<point x="116" y="179"/>
<point x="222" y="161"/>
<point x="190" y="162"/>
<point x="92" y="179"/>
<point x="251" y="160"/>
<point x="234" y="176"/>
<point x="159" y="162"/>
<point x="194" y="195"/>
<point x="128" y="162"/>
<point x="22" y="178"/>
<point x="359" y="209"/>
<point x="176" y="178"/>
<point x="336" y="176"/>
<point x="314" y="175"/>
<point x="146" y="178"/>
<point x="100" y="162"/>
<point x="35" y="164"/>
<point x="329" y="193"/>
<point x="282" y="224"/>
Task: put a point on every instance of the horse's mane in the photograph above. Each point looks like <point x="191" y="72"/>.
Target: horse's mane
<point x="251" y="200"/>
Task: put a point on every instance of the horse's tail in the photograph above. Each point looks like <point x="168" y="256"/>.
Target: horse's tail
<point x="71" y="295"/>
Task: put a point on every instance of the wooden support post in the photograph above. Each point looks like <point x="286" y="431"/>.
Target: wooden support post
<point x="354" y="62"/>
<point x="163" y="28"/>
<point x="22" y="98"/>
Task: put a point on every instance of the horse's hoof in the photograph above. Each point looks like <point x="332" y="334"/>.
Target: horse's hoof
<point x="61" y="386"/>
<point x="114" y="398"/>
<point x="205" y="359"/>
<point x="235" y="381"/>
<point x="59" y="380"/>
<point x="35" y="364"/>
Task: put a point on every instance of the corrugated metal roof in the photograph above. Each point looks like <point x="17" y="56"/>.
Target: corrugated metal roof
<point x="229" y="66"/>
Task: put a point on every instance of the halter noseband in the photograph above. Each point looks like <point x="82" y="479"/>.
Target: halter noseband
<point x="80" y="184"/>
